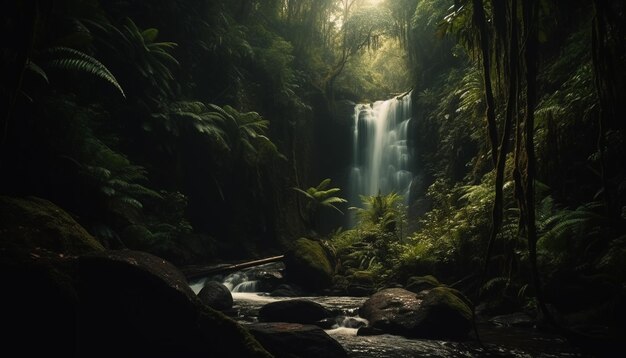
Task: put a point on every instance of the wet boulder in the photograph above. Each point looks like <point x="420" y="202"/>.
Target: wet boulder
<point x="309" y="264"/>
<point x="216" y="296"/>
<point x="294" y="311"/>
<point x="440" y="313"/>
<point x="288" y="340"/>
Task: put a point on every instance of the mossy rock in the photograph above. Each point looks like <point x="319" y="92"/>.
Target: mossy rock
<point x="436" y="314"/>
<point x="444" y="313"/>
<point x="308" y="264"/>
<point x="216" y="295"/>
<point x="112" y="304"/>
<point x="420" y="283"/>
<point x="29" y="223"/>
<point x="363" y="278"/>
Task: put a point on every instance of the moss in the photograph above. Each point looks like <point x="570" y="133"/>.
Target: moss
<point x="308" y="264"/>
<point x="33" y="222"/>
<point x="363" y="277"/>
<point x="312" y="252"/>
<point x="449" y="297"/>
<point x="420" y="283"/>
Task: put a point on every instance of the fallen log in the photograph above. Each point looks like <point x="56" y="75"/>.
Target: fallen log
<point x="404" y="94"/>
<point x="197" y="271"/>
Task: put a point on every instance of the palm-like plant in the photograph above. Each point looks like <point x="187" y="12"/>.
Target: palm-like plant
<point x="319" y="197"/>
<point x="383" y="210"/>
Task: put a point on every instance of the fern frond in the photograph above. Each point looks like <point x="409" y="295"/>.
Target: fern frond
<point x="490" y="286"/>
<point x="30" y="65"/>
<point x="74" y="60"/>
<point x="131" y="202"/>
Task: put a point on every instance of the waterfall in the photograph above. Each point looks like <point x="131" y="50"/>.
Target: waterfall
<point x="381" y="157"/>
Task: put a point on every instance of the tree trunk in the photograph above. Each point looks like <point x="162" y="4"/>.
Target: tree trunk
<point x="480" y="23"/>
<point x="513" y="61"/>
<point x="530" y="56"/>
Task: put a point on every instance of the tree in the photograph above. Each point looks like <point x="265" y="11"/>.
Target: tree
<point x="361" y="28"/>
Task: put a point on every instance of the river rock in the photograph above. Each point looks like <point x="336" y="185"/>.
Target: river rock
<point x="294" y="311"/>
<point x="436" y="314"/>
<point x="111" y="304"/>
<point x="286" y="290"/>
<point x="28" y="223"/>
<point x="309" y="265"/>
<point x="216" y="296"/>
<point x="290" y="340"/>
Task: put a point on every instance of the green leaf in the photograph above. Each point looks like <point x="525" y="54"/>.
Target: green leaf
<point x="66" y="58"/>
<point x="149" y="35"/>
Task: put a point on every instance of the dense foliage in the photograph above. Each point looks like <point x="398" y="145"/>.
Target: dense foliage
<point x="183" y="127"/>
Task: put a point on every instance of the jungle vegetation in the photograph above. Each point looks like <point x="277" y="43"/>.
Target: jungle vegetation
<point x="203" y="131"/>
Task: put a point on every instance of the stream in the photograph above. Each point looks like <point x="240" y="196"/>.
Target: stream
<point x="498" y="341"/>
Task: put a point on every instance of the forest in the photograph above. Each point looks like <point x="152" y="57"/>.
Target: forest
<point x="313" y="178"/>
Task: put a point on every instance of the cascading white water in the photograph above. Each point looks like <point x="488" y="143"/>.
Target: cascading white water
<point x="381" y="162"/>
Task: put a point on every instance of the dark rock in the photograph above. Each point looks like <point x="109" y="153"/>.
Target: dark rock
<point x="290" y="340"/>
<point x="31" y="222"/>
<point x="268" y="280"/>
<point x="421" y="283"/>
<point x="392" y="310"/>
<point x="294" y="311"/>
<point x="437" y="314"/>
<point x="351" y="322"/>
<point x="216" y="296"/>
<point x="112" y="304"/>
<point x="369" y="331"/>
<point x="285" y="290"/>
<point x="309" y="265"/>
<point x="326" y="323"/>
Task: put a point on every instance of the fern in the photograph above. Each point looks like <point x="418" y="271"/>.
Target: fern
<point x="383" y="210"/>
<point x="494" y="285"/>
<point x="69" y="59"/>
<point x="565" y="232"/>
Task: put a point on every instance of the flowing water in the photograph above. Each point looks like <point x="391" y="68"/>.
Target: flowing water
<point x="381" y="156"/>
<point x="498" y="341"/>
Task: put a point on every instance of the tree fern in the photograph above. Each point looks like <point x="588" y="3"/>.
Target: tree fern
<point x="66" y="58"/>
